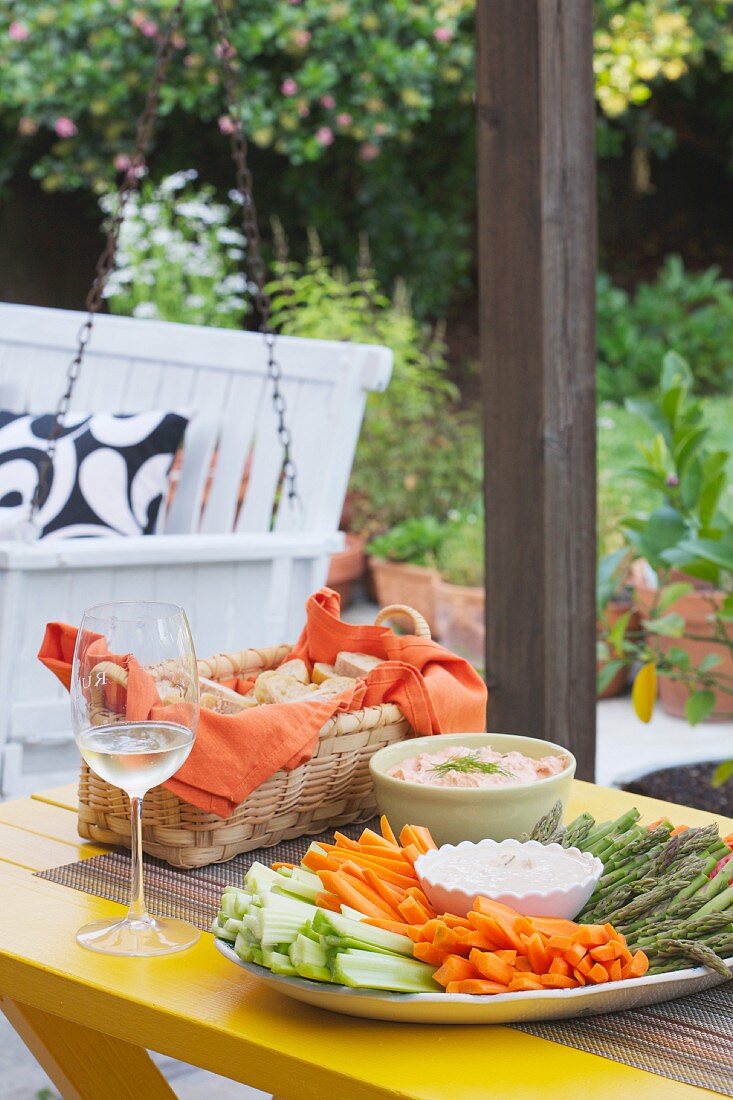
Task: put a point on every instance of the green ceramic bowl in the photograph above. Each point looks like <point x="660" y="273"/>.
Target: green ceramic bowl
<point x="454" y="814"/>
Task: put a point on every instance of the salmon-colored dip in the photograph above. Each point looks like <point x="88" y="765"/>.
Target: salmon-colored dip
<point x="465" y="767"/>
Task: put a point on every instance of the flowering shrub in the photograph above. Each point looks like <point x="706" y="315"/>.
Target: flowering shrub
<point x="178" y="258"/>
<point x="311" y="71"/>
<point x="361" y="114"/>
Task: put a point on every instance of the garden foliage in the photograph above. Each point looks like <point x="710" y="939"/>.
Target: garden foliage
<point x="691" y="312"/>
<point x="360" y="115"/>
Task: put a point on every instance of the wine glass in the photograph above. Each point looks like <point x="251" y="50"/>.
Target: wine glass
<point x="134" y="707"/>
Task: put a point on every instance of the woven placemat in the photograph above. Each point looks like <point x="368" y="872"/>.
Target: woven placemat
<point x="191" y="895"/>
<point x="689" y="1040"/>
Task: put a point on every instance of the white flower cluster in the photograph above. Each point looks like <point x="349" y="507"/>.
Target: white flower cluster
<point x="179" y="258"/>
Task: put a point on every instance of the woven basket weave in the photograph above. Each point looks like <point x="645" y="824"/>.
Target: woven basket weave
<point x="332" y="788"/>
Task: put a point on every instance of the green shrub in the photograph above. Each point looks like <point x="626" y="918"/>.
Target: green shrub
<point x="691" y="312"/>
<point x="461" y="551"/>
<point x="419" y="453"/>
<point x="415" y="541"/>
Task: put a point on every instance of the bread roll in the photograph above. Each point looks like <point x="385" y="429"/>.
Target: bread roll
<point x="355" y="664"/>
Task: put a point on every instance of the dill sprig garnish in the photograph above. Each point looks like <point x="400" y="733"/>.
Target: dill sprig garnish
<point x="470" y="763"/>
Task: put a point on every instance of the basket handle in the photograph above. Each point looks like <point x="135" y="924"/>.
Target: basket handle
<point x="227" y="666"/>
<point x="403" y="611"/>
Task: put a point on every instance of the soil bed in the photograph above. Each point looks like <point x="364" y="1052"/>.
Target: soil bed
<point x="690" y="785"/>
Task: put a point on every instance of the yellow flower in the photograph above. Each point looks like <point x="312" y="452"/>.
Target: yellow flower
<point x="262" y="136"/>
<point x="370" y="22"/>
<point x="674" y="69"/>
<point x="99" y="107"/>
<point x="411" y="97"/>
<point x="644" y="691"/>
<point x="46" y="17"/>
<point x="288" y="122"/>
<point x="648" y="68"/>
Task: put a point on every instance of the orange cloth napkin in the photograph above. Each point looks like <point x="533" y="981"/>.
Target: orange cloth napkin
<point x="437" y="692"/>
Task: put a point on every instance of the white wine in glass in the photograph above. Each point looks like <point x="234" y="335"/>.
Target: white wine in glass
<point x="135" y="705"/>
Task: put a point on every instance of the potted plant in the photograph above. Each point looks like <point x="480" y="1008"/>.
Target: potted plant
<point x="459" y="588"/>
<point x="402" y="564"/>
<point x="683" y="573"/>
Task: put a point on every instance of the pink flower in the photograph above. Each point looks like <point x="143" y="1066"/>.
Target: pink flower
<point x="191" y="59"/>
<point x="122" y="162"/>
<point x="380" y="129"/>
<point x="289" y="86"/>
<point x="344" y="119"/>
<point x="304" y="111"/>
<point x="27" y="126"/>
<point x="178" y="41"/>
<point x="369" y="151"/>
<point x="328" y="102"/>
<point x="148" y="28"/>
<point x="301" y="38"/>
<point x="227" y="125"/>
<point x="442" y="34"/>
<point x="324" y="136"/>
<point x="64" y="127"/>
<point x="225" y="49"/>
<point x="293" y="2"/>
<point x="18" y="31"/>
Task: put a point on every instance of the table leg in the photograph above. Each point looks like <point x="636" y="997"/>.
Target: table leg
<point x="83" y="1063"/>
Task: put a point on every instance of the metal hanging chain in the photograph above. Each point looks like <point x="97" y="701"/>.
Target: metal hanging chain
<point x="130" y="183"/>
<point x="226" y="53"/>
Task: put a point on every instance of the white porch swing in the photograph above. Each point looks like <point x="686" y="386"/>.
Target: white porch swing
<point x="257" y="407"/>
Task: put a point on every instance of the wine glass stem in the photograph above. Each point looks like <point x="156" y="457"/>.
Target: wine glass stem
<point x="138" y="910"/>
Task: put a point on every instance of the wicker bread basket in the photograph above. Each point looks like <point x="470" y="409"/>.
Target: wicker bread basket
<point x="332" y="788"/>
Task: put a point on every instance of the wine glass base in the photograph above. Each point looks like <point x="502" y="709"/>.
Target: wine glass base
<point x="153" y="936"/>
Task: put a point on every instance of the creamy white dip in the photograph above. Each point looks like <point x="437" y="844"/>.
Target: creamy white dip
<point x="507" y="868"/>
<point x="466" y="767"/>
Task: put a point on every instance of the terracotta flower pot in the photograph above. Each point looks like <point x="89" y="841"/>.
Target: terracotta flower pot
<point x="697" y="609"/>
<point x="611" y="614"/>
<point x="459" y="617"/>
<point x="398" y="582"/>
<point x="346" y="567"/>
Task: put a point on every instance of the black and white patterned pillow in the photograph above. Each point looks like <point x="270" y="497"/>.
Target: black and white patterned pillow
<point x="108" y="478"/>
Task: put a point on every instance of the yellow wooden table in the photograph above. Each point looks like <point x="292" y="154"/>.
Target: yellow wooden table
<point x="88" y="1018"/>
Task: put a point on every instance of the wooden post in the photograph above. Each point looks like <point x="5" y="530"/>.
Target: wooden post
<point x="537" y="254"/>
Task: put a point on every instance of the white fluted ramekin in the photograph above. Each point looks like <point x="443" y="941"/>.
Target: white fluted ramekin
<point x="554" y="901"/>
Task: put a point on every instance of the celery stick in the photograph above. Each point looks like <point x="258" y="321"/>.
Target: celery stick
<point x="300" y="874"/>
<point x="400" y="975"/>
<point x="315" y="973"/>
<point x="352" y="914"/>
<point x="334" y="925"/>
<point x="304" y="950"/>
<point x="293" y="888"/>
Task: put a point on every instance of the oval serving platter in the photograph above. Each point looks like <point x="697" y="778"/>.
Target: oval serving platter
<point x="502" y="1008"/>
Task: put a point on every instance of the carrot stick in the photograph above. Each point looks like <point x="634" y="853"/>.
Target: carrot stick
<point x="477" y="987"/>
<point x="356" y="894"/>
<point x="411" y="853"/>
<point x="413" y="912"/>
<point x="387" y="925"/>
<point x="454" y="969"/>
<point x="314" y="861"/>
<point x="386" y="893"/>
<point x="422" y="833"/>
<point x="329" y="901"/>
<point x="387" y="833"/>
<point x="353" y="869"/>
<point x="370" y="837"/>
<point x="281" y="863"/>
<point x="343" y="841"/>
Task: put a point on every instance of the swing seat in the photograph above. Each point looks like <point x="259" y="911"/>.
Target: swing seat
<point x="241" y="568"/>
